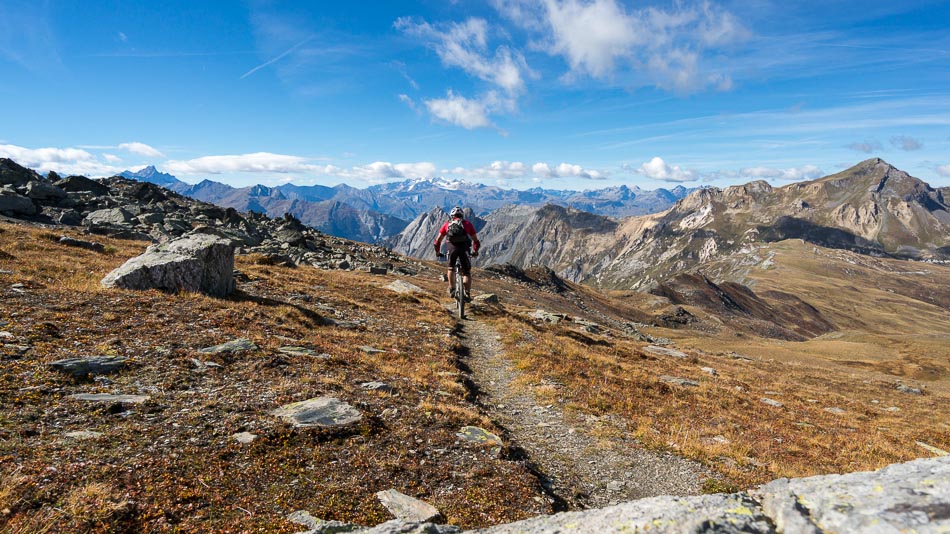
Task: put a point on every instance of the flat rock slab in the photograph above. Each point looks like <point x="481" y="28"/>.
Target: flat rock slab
<point x="97" y="365"/>
<point x="382" y="387"/>
<point x="83" y="434"/>
<point x="722" y="514"/>
<point x="685" y="382"/>
<point x="771" y="402"/>
<point x="909" y="497"/>
<point x="244" y="437"/>
<point x="407" y="508"/>
<point x="298" y="351"/>
<point x="480" y="436"/>
<point x="319" y="411"/>
<point x="663" y="351"/>
<point x="371" y="350"/>
<point x="237" y="345"/>
<point x="404" y="288"/>
<point x="106" y="397"/>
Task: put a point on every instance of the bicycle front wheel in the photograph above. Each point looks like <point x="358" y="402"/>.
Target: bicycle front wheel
<point x="459" y="293"/>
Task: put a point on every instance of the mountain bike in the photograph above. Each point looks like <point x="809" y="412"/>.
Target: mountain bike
<point x="459" y="284"/>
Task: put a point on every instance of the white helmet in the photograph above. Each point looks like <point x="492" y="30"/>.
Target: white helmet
<point x="457" y="212"/>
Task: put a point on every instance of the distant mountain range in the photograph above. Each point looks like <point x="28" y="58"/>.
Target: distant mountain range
<point x="382" y="211"/>
<point x="872" y="208"/>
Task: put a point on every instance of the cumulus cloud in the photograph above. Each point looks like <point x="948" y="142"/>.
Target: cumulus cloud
<point x="255" y="163"/>
<point x="600" y="37"/>
<point x="384" y="170"/>
<point x="461" y="111"/>
<point x="943" y="170"/>
<point x="502" y="171"/>
<point x="866" y="146"/>
<point x="657" y="169"/>
<point x="906" y="143"/>
<point x="794" y="174"/>
<point x="111" y="158"/>
<point x="141" y="149"/>
<point x="61" y="160"/>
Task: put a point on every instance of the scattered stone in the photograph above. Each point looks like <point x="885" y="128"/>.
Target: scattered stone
<point x="199" y="262"/>
<point x="480" y="436"/>
<point x="404" y="288"/>
<point x="679" y="381"/>
<point x="378" y="386"/>
<point x="78" y="184"/>
<point x="835" y="410"/>
<point x="663" y="351"/>
<point x="116" y="216"/>
<point x="319" y="411"/>
<point x="378" y="270"/>
<point x="43" y="191"/>
<point x="407" y="508"/>
<point x="771" y="402"/>
<point x="237" y="345"/>
<point x="106" y="397"/>
<point x="79" y="243"/>
<point x="903" y="388"/>
<point x="5" y="334"/>
<point x="202" y="366"/>
<point x="486" y="298"/>
<point x="932" y="449"/>
<point x="892" y="409"/>
<point x="16" y="204"/>
<point x="547" y="316"/>
<point x="298" y="351"/>
<point x="321" y="526"/>
<point x="244" y="437"/>
<point x="370" y="350"/>
<point x="83" y="434"/>
<point x="615" y="486"/>
<point x="709" y="371"/>
<point x="98" y="365"/>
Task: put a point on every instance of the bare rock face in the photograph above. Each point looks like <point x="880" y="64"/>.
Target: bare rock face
<point x="16" y="204"/>
<point x="198" y="262"/>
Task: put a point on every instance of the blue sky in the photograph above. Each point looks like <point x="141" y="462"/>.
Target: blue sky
<point x="575" y="94"/>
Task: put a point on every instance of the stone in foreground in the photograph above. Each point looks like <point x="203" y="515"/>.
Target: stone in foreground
<point x="106" y="397"/>
<point x="404" y="288"/>
<point x="98" y="365"/>
<point x="319" y="411"/>
<point x="237" y="345"/>
<point x="407" y="508"/>
<point x="199" y="262"/>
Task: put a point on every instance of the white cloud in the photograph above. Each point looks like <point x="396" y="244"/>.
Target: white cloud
<point x="460" y="111"/>
<point x="258" y="162"/>
<point x="906" y="143"/>
<point x="599" y="38"/>
<point x="658" y="169"/>
<point x="61" y="160"/>
<point x="140" y="149"/>
<point x="407" y="100"/>
<point x="384" y="170"/>
<point x="943" y="170"/>
<point x="866" y="146"/>
<point x="465" y="45"/>
<point x="501" y="171"/>
<point x="111" y="158"/>
<point x="794" y="174"/>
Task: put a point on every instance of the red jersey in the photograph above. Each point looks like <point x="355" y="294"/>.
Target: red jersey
<point x="469" y="229"/>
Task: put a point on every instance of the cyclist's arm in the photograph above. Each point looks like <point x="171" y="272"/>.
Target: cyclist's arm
<point x="470" y="229"/>
<point x="438" y="240"/>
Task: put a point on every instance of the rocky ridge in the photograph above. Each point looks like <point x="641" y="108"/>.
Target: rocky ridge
<point x="130" y="209"/>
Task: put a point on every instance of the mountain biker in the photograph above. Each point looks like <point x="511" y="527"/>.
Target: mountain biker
<point x="461" y="236"/>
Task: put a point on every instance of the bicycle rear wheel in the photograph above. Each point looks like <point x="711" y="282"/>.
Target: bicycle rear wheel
<point x="459" y="292"/>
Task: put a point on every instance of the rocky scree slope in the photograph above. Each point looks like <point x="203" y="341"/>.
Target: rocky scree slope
<point x="129" y="209"/>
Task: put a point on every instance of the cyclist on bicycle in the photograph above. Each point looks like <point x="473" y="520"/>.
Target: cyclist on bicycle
<point x="460" y="235"/>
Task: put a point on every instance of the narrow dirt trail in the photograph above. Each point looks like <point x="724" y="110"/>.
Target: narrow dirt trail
<point x="580" y="470"/>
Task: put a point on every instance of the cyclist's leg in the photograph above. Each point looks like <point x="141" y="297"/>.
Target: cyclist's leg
<point x="466" y="272"/>
<point x="455" y="253"/>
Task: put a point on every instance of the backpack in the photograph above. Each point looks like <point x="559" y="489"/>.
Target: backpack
<point x="456" y="233"/>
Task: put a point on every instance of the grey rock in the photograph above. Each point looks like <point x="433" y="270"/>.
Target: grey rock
<point x="398" y="526"/>
<point x="771" y="402"/>
<point x="547" y="316"/>
<point x="378" y="386"/>
<point x="835" y="410"/>
<point x="151" y="218"/>
<point x="237" y="345"/>
<point x="77" y="184"/>
<point x="378" y="270"/>
<point x="371" y="350"/>
<point x="244" y="437"/>
<point x="663" y="351"/>
<point x="403" y="287"/>
<point x="319" y="411"/>
<point x="709" y="371"/>
<point x="481" y="437"/>
<point x="321" y="526"/>
<point x="298" y="351"/>
<point x="83" y="434"/>
<point x="106" y="397"/>
<point x="407" y="508"/>
<point x="199" y="263"/>
<point x="97" y="365"/>
<point x="115" y="216"/>
<point x="68" y="217"/>
<point x="903" y="388"/>
<point x="720" y="514"/>
<point x="16" y="204"/>
<point x="908" y="497"/>
<point x="38" y="190"/>
<point x="79" y="243"/>
<point x="486" y="298"/>
<point x="679" y="381"/>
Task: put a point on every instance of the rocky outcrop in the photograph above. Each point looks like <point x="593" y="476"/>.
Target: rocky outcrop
<point x="909" y="497"/>
<point x="199" y="262"/>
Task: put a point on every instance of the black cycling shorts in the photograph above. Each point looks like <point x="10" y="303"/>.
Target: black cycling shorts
<point x="460" y="252"/>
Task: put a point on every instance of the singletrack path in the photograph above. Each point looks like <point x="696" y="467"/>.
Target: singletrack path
<point x="577" y="469"/>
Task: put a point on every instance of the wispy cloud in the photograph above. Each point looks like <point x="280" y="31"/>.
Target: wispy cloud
<point x="906" y="143"/>
<point x="258" y="162"/>
<point x="866" y="146"/>
<point x="278" y="57"/>
<point x="141" y="149"/>
<point x="502" y="171"/>
<point x="943" y="170"/>
<point x="61" y="160"/>
<point x="794" y="174"/>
